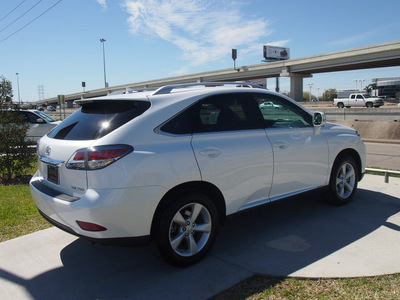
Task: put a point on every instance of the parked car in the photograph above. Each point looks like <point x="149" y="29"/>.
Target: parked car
<point x="39" y="123"/>
<point x="270" y="105"/>
<point x="171" y="164"/>
<point x="51" y="108"/>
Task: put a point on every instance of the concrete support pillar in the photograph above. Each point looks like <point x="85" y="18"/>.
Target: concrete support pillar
<point x="296" y="83"/>
<point x="296" y="88"/>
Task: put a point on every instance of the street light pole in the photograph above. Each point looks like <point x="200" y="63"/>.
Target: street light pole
<point x="104" y="63"/>
<point x="356" y="80"/>
<point x="310" y="85"/>
<point x="361" y="81"/>
<point x="19" y="98"/>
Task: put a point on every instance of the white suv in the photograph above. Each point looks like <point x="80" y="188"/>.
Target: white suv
<point x="171" y="164"/>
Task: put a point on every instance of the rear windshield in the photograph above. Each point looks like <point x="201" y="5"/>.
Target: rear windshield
<point x="98" y="118"/>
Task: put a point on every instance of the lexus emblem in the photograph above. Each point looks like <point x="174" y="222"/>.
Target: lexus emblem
<point x="48" y="151"/>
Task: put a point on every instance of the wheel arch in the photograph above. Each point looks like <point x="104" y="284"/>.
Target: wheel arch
<point x="354" y="154"/>
<point x="203" y="187"/>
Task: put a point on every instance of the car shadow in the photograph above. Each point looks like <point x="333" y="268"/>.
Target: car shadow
<point x="284" y="237"/>
<point x="276" y="239"/>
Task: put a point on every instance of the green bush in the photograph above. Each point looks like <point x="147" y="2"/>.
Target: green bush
<point x="16" y="153"/>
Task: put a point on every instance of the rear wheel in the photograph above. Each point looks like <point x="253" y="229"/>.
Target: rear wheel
<point x="343" y="181"/>
<point x="340" y="105"/>
<point x="187" y="229"/>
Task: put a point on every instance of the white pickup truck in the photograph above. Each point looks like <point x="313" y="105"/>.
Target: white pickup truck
<point x="359" y="100"/>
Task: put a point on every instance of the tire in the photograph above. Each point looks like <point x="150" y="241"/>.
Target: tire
<point x="343" y="181"/>
<point x="369" y="105"/>
<point x="187" y="229"/>
<point x="340" y="105"/>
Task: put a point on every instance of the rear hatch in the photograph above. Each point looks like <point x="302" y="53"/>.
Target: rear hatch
<point x="62" y="165"/>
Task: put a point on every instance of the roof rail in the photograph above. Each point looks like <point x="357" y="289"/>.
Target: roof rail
<point x="168" y="88"/>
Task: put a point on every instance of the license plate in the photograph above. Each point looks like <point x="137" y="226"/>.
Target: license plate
<point x="52" y="174"/>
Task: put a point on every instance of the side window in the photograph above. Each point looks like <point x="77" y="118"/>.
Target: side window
<point x="359" y="97"/>
<point x="31" y="118"/>
<point x="23" y="117"/>
<point x="224" y="113"/>
<point x="352" y="96"/>
<point x="277" y="112"/>
<point x="216" y="113"/>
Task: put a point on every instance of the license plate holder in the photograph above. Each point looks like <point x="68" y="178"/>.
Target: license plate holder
<point x="52" y="174"/>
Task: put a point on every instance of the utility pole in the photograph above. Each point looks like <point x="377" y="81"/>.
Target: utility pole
<point x="104" y="63"/>
<point x="19" y="98"/>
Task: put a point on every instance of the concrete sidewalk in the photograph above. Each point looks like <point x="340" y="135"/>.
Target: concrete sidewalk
<point x="302" y="237"/>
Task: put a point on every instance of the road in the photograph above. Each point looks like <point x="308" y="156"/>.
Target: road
<point x="385" y="156"/>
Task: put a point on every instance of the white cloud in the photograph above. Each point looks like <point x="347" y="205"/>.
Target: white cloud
<point x="103" y="3"/>
<point x="204" y="30"/>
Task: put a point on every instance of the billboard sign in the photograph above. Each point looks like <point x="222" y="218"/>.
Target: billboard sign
<point x="276" y="53"/>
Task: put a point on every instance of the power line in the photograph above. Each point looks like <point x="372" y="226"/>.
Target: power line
<point x="21" y="16"/>
<point x="11" y="11"/>
<point x="15" y="32"/>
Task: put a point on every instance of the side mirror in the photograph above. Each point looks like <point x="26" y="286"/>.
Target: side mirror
<point x="319" y="119"/>
<point x="40" y="120"/>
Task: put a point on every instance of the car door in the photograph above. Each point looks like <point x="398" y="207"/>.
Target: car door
<point x="300" y="156"/>
<point x="232" y="151"/>
<point x="352" y="100"/>
<point x="360" y="101"/>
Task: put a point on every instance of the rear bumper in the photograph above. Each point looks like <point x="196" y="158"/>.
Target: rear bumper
<point x="127" y="241"/>
<point x="127" y="214"/>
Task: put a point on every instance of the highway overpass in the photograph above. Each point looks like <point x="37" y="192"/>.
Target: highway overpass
<point x="374" y="56"/>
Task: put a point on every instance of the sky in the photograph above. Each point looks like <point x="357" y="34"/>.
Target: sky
<point x="54" y="45"/>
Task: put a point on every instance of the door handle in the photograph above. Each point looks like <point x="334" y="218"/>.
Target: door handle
<point x="210" y="152"/>
<point x="281" y="144"/>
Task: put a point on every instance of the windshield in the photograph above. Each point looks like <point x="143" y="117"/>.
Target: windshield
<point x="45" y="117"/>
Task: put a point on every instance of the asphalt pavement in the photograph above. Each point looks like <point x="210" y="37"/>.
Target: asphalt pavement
<point x="383" y="155"/>
<point x="301" y="237"/>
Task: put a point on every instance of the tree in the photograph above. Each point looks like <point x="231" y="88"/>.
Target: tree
<point x="306" y="96"/>
<point x="370" y="87"/>
<point x="16" y="155"/>
<point x="329" y="95"/>
<point x="5" y="93"/>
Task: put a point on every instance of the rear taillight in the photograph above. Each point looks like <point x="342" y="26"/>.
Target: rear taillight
<point x="97" y="157"/>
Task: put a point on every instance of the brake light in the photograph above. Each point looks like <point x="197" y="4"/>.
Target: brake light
<point x="97" y="157"/>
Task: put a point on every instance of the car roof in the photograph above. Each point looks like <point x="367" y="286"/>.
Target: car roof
<point x="178" y="92"/>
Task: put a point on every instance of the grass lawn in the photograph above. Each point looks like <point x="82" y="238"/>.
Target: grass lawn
<point x="263" y="287"/>
<point x="18" y="213"/>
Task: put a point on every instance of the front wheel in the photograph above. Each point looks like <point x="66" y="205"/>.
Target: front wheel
<point x="343" y="181"/>
<point x="187" y="229"/>
<point x="369" y="105"/>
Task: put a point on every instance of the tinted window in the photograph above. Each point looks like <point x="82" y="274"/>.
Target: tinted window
<point x="216" y="113"/>
<point x="98" y="118"/>
<point x="278" y="112"/>
<point x="30" y="117"/>
<point x="225" y="112"/>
